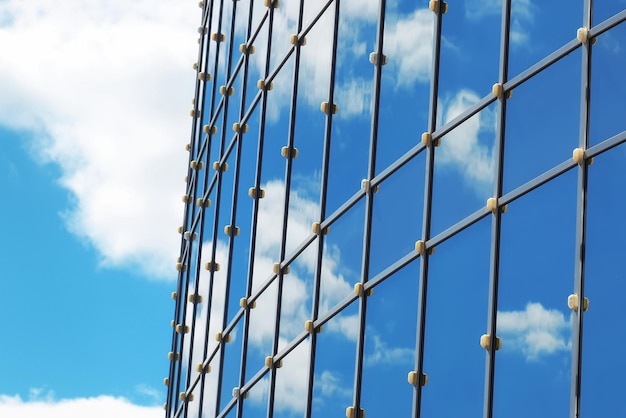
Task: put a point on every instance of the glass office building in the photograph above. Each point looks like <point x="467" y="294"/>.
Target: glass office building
<point x="404" y="209"/>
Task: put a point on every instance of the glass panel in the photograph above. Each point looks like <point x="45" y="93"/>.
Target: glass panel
<point x="255" y="403"/>
<point x="390" y="345"/>
<point x="334" y="364"/>
<point x="231" y="365"/>
<point x="533" y="148"/>
<point x="291" y="383"/>
<point x="343" y="252"/>
<point x="391" y="241"/>
<point x="470" y="51"/>
<point x="604" y="9"/>
<point x="269" y="226"/>
<point x="261" y="333"/>
<point x="405" y="80"/>
<point x="297" y="295"/>
<point x="608" y="86"/>
<point x="538" y="29"/>
<point x="603" y="330"/>
<point x="458" y="291"/>
<point x="463" y="179"/>
<point x="532" y="370"/>
<point x="303" y="211"/>
<point x="353" y="95"/>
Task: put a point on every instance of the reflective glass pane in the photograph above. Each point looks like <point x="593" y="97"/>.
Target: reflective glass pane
<point x="608" y="87"/>
<point x="603" y="362"/>
<point x="604" y="9"/>
<point x="464" y="163"/>
<point x="533" y="148"/>
<point x="231" y="362"/>
<point x="456" y="313"/>
<point x="334" y="364"/>
<point x="538" y="29"/>
<point x="261" y="333"/>
<point x="341" y="263"/>
<point x="291" y="383"/>
<point x="470" y="51"/>
<point x="389" y="345"/>
<point x="405" y="79"/>
<point x="532" y="369"/>
<point x="390" y="242"/>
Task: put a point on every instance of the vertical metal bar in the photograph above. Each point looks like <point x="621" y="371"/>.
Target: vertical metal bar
<point x="246" y="319"/>
<point x="194" y="145"/>
<point x="369" y="208"/>
<point x="255" y="204"/>
<point x="231" y="238"/>
<point x="209" y="303"/>
<point x="283" y="246"/>
<point x="272" y="378"/>
<point x="496" y="218"/>
<point x="196" y="190"/>
<point x="581" y="218"/>
<point x="426" y="221"/>
<point x="315" y="299"/>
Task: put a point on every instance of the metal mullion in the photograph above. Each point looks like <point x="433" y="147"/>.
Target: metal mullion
<point x="315" y="299"/>
<point x="181" y="317"/>
<point x="186" y="216"/>
<point x="246" y="311"/>
<point x="208" y="23"/>
<point x="217" y="200"/>
<point x="231" y="238"/>
<point x="254" y="210"/>
<point x="496" y="220"/>
<point x="174" y="376"/>
<point x="279" y="290"/>
<point x="427" y="211"/>
<point x="290" y="140"/>
<point x="581" y="218"/>
<point x="369" y="210"/>
<point x="193" y="175"/>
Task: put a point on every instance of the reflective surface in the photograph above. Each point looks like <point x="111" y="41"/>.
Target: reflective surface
<point x="442" y="190"/>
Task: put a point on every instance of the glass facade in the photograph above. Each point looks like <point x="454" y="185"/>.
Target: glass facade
<point x="403" y="209"/>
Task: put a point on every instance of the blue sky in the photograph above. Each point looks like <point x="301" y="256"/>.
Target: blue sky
<point x="93" y="123"/>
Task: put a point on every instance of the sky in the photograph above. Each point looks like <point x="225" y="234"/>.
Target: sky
<point x="94" y="101"/>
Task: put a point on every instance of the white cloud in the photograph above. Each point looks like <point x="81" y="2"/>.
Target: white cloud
<point x="103" y="87"/>
<point x="477" y="9"/>
<point x="151" y="393"/>
<point x="408" y="46"/>
<point x="462" y="148"/>
<point x="95" y="407"/>
<point x="522" y="16"/>
<point x="384" y="354"/>
<point x="534" y="331"/>
<point x="330" y="385"/>
<point x="355" y="96"/>
<point x="347" y="326"/>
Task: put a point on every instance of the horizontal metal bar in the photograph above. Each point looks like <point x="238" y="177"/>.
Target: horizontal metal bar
<point x="606" y="145"/>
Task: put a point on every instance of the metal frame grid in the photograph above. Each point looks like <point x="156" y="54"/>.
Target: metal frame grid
<point x="211" y="109"/>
